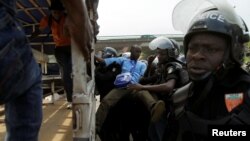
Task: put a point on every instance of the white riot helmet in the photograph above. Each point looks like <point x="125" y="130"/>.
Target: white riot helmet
<point x="165" y="44"/>
<point x="214" y="16"/>
<point x="109" y="52"/>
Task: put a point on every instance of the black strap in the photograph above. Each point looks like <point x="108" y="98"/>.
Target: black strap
<point x="203" y="94"/>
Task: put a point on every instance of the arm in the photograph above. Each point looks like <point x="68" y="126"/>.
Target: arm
<point x="148" y="80"/>
<point x="99" y="59"/>
<point x="79" y="25"/>
<point x="42" y="26"/>
<point x="162" y="88"/>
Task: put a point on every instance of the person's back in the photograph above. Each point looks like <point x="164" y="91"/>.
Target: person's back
<point x="56" y="26"/>
<point x="20" y="75"/>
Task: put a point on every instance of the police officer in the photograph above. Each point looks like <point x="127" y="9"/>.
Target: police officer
<point x="109" y="52"/>
<point x="167" y="54"/>
<point x="219" y="93"/>
<point x="105" y="76"/>
<point x="169" y="76"/>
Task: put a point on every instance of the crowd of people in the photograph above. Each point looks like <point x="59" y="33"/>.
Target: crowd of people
<point x="168" y="97"/>
<point x="186" y="97"/>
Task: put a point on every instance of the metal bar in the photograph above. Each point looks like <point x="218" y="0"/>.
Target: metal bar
<point x="26" y="11"/>
<point x="83" y="94"/>
<point x="36" y="6"/>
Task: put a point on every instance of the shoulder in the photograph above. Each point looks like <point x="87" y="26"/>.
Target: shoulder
<point x="177" y="71"/>
<point x="141" y="63"/>
<point x="173" y="67"/>
<point x="237" y="77"/>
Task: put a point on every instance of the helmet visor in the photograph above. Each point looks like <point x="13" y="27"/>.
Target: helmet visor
<point x="187" y="10"/>
<point x="161" y="43"/>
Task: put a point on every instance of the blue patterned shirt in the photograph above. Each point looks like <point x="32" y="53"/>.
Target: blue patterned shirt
<point x="137" y="68"/>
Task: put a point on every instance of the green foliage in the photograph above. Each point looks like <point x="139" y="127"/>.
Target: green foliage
<point x="248" y="45"/>
<point x="247" y="57"/>
<point x="146" y="52"/>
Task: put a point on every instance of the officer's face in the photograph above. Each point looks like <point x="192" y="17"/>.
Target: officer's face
<point x="205" y="54"/>
<point x="162" y="55"/>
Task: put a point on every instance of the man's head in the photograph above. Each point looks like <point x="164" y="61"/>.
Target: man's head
<point x="135" y="52"/>
<point x="213" y="44"/>
<point x="57" y="9"/>
<point x="205" y="54"/>
<point x="165" y="49"/>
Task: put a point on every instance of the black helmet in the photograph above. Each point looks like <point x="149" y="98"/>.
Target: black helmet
<point x="214" y="16"/>
<point x="109" y="52"/>
<point x="213" y="21"/>
<point x="56" y="5"/>
<point x="164" y="43"/>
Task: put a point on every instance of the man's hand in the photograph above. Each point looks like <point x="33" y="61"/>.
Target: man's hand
<point x="137" y="87"/>
<point x="150" y="59"/>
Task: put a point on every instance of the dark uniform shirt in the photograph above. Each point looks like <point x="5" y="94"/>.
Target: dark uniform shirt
<point x="226" y="102"/>
<point x="105" y="77"/>
<point x="165" y="72"/>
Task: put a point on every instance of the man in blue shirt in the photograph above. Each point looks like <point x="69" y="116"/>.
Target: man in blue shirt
<point x="132" y="65"/>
